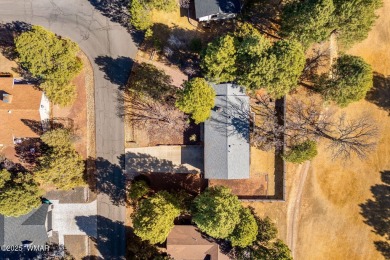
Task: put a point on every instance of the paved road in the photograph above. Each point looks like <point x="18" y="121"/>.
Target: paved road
<point x="108" y="44"/>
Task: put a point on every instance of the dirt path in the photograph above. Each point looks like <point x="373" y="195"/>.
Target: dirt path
<point x="294" y="205"/>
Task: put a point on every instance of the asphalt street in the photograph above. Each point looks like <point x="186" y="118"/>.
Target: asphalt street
<point x="110" y="48"/>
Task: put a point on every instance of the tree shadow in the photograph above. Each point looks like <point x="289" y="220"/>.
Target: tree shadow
<point x="8" y="33"/>
<point x="107" y="178"/>
<point x="118" y="12"/>
<point x="264" y="15"/>
<point x="117" y="71"/>
<point x="376" y="212"/>
<point x="380" y="92"/>
<point x="142" y="162"/>
<point x="29" y="150"/>
<point x="175" y="47"/>
<point x="151" y="81"/>
<point x="115" y="240"/>
<point x="231" y="117"/>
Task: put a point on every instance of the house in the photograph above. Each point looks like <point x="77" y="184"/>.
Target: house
<point x="33" y="228"/>
<point x="226" y="135"/>
<point x="207" y="10"/>
<point x="185" y="242"/>
<point x="20" y="106"/>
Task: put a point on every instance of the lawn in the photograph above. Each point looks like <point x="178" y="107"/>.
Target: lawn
<point x="331" y="225"/>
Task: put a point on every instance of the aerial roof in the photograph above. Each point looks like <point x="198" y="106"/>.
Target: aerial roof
<point x="210" y="7"/>
<point x="226" y="135"/>
<point x="185" y="242"/>
<point x="29" y="227"/>
<point x="19" y="108"/>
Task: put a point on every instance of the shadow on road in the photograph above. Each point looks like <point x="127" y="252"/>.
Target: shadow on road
<point x="118" y="12"/>
<point x="108" y="178"/>
<point x="117" y="71"/>
<point x="111" y="243"/>
<point x="376" y="212"/>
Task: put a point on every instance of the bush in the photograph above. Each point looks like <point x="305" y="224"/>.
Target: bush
<point x="138" y="190"/>
<point x="301" y="152"/>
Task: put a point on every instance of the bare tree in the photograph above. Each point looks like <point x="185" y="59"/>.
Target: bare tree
<point x="267" y="131"/>
<point x="143" y="112"/>
<point x="309" y="120"/>
<point x="185" y="3"/>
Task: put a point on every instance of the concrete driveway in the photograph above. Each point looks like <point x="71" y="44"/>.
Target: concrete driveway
<point x="67" y="219"/>
<point x="110" y="48"/>
<point x="164" y="159"/>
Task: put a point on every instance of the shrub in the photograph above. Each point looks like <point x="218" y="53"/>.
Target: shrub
<point x="301" y="152"/>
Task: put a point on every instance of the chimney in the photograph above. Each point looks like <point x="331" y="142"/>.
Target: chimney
<point x="7" y="98"/>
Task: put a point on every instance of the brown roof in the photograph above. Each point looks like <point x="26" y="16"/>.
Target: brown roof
<point x="24" y="105"/>
<point x="186" y="243"/>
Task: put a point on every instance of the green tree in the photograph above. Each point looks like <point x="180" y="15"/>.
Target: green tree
<point x="219" y="60"/>
<point x="197" y="99"/>
<point x="63" y="95"/>
<point x="245" y="231"/>
<point x="154" y="218"/>
<point x="354" y="19"/>
<point x="140" y="16"/>
<point x="351" y="79"/>
<point x="311" y="21"/>
<point x="302" y="152"/>
<point x="252" y="64"/>
<point x="308" y="21"/>
<point x="217" y="212"/>
<point x="266" y="246"/>
<point x="60" y="165"/>
<point x="267" y="230"/>
<point x="52" y="59"/>
<point x="57" y="138"/>
<point x="19" y="194"/>
<point x="286" y="60"/>
<point x="138" y="189"/>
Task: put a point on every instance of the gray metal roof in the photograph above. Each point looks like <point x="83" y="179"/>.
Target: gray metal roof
<point x="226" y="135"/>
<point x="29" y="227"/>
<point x="210" y="7"/>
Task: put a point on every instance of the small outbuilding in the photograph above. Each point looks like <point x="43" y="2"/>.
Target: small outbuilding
<point x="208" y="10"/>
<point x="226" y="135"/>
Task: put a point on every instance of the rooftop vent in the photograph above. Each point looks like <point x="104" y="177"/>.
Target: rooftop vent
<point x="218" y="109"/>
<point x="7" y="98"/>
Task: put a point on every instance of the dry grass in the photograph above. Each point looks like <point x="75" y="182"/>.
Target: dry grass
<point x="173" y="19"/>
<point x="330" y="223"/>
<point x="331" y="226"/>
<point x="375" y="49"/>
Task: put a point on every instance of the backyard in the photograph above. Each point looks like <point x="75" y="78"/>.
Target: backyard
<point x="339" y="197"/>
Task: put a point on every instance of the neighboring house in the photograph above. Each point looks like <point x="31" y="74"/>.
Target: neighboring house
<point x="185" y="242"/>
<point x="207" y="10"/>
<point x="33" y="228"/>
<point x="20" y="106"/>
<point x="226" y="135"/>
